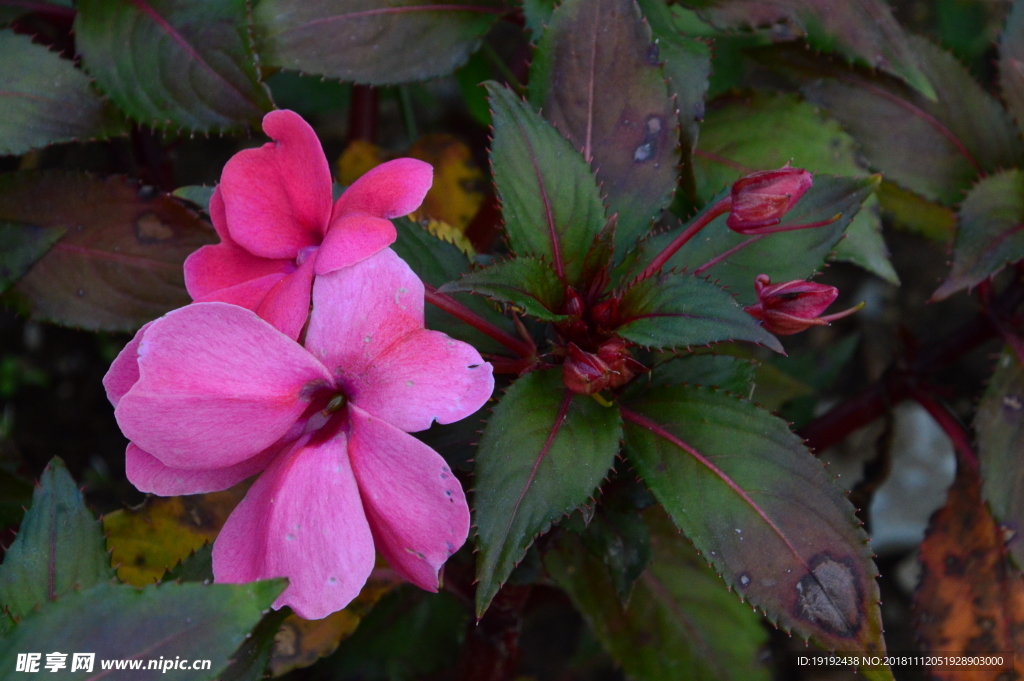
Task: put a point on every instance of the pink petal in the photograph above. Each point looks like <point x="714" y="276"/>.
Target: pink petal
<point x="221" y="266"/>
<point x="277" y="198"/>
<point x="124" y="370"/>
<point x="390" y="190"/>
<point x="426" y="376"/>
<point x="359" y="311"/>
<point x="149" y="475"/>
<point x="248" y="294"/>
<point x="353" y="237"/>
<point x="415" y="506"/>
<point x="217" y="386"/>
<point x="218" y="217"/>
<point x="286" y="305"/>
<point x="303" y="519"/>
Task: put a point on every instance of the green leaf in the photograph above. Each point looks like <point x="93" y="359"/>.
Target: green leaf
<point x="438" y="262"/>
<point x="913" y="213"/>
<point x="59" y="547"/>
<point x="199" y="195"/>
<point x="379" y="42"/>
<point x="679" y="310"/>
<point x="542" y="455"/>
<point x="935" y="148"/>
<point x="249" y="662"/>
<point x="21" y="245"/>
<point x="680" y="622"/>
<point x="621" y="540"/>
<point x="528" y="283"/>
<point x="744" y="489"/>
<point x="46" y="100"/>
<point x="408" y="635"/>
<point x="120" y="622"/>
<point x="197" y="567"/>
<point x="174" y="63"/>
<point x="863" y="31"/>
<point x="597" y="79"/>
<point x="1011" y="63"/>
<point x="550" y="200"/>
<point x="538" y="15"/>
<point x="733" y="144"/>
<point x="119" y="264"/>
<point x="785" y="256"/>
<point x="989" y="234"/>
<point x="720" y="371"/>
<point x="1000" y="427"/>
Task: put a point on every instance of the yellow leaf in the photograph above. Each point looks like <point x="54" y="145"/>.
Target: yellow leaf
<point x="300" y="642"/>
<point x="459" y="183"/>
<point x="145" y="541"/>
<point x="358" y="158"/>
<point x="445" y="232"/>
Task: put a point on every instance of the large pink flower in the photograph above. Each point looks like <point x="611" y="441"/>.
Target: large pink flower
<point x="211" y="394"/>
<point x="273" y="213"/>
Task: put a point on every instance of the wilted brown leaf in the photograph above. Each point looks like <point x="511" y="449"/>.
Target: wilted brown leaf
<point x="970" y="600"/>
<point x="147" y="540"/>
<point x="459" y="183"/>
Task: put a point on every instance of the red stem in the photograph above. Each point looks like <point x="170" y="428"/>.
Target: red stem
<point x="950" y="425"/>
<point x="463" y="313"/>
<point x="363" y="114"/>
<point x="722" y="256"/>
<point x="700" y="223"/>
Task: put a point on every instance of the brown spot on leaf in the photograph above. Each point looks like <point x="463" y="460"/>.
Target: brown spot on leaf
<point x="971" y="600"/>
<point x="829" y="596"/>
<point x="151" y="229"/>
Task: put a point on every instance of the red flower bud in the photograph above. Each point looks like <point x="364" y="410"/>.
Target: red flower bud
<point x="761" y="200"/>
<point x="793" y="306"/>
<point x="606" y="313"/>
<point x="585" y="373"/>
<point x="621" y="364"/>
<point x="573" y="303"/>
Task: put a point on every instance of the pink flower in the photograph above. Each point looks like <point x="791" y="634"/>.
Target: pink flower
<point x="762" y="199"/>
<point x="211" y="394"/>
<point x="273" y="213"/>
<point x="793" y="306"/>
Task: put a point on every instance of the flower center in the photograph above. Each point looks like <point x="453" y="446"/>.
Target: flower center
<point x="304" y="254"/>
<point x="336" y="404"/>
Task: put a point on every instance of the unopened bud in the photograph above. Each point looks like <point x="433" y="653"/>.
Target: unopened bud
<point x="793" y="306"/>
<point x="761" y="200"/>
<point x="606" y="313"/>
<point x="584" y="372"/>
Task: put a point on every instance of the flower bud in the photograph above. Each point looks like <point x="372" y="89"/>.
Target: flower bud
<point x="573" y="303"/>
<point x="615" y="353"/>
<point x="793" y="306"/>
<point x="761" y="200"/>
<point x="585" y="373"/>
<point x="606" y="313"/>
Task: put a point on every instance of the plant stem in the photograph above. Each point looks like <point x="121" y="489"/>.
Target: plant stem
<point x="950" y="425"/>
<point x="506" y="73"/>
<point x="408" y="113"/>
<point x="363" y="114"/>
<point x="463" y="313"/>
<point x="702" y="221"/>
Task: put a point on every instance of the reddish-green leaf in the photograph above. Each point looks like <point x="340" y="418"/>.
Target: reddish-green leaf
<point x="862" y="30"/>
<point x="188" y="621"/>
<point x="550" y="199"/>
<point x="785" y="256"/>
<point x="59" y="548"/>
<point x="679" y="310"/>
<point x="598" y="79"/>
<point x="46" y="100"/>
<point x="935" y="148"/>
<point x="372" y="41"/>
<point x="719" y="371"/>
<point x="174" y="63"/>
<point x="680" y="621"/>
<point x="761" y="509"/>
<point x="526" y="282"/>
<point x="542" y="455"/>
<point x="118" y="264"/>
<point x="21" y="245"/>
<point x="1000" y="427"/>
<point x="989" y="233"/>
<point x="1011" y="63"/>
<point x="733" y="144"/>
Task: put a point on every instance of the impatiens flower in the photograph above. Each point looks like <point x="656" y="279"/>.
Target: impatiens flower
<point x="761" y="200"/>
<point x="274" y="215"/>
<point x="211" y="394"/>
<point x="793" y="306"/>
